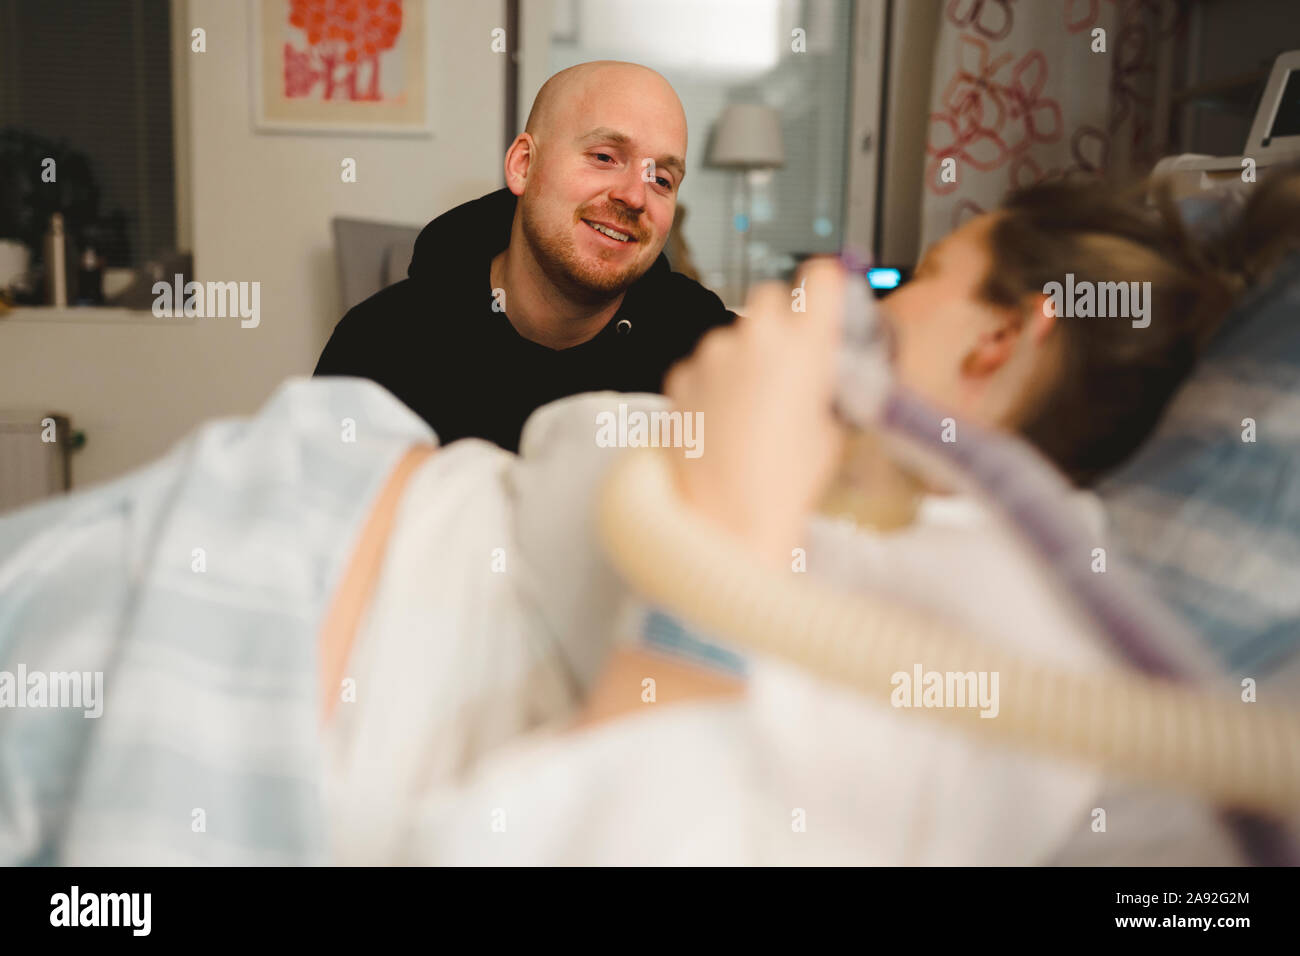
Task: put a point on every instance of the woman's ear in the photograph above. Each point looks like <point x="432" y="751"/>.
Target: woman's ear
<point x="519" y="158"/>
<point x="995" y="344"/>
<point x="1041" y="319"/>
<point x="1009" y="330"/>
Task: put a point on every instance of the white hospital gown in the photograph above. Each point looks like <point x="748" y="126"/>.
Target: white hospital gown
<point x="495" y="613"/>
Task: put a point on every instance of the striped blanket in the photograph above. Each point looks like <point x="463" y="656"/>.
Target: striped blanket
<point x="192" y="591"/>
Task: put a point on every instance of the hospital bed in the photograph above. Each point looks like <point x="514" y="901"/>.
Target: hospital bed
<point x="1208" y="516"/>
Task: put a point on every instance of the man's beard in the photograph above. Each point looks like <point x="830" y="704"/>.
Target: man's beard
<point x="579" y="279"/>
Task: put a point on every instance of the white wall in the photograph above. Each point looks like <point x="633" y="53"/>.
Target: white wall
<point x="260" y="206"/>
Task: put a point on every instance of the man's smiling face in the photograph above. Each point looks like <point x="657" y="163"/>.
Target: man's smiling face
<point x="602" y="186"/>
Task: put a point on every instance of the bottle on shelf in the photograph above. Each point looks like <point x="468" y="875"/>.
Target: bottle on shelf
<point x="90" y="278"/>
<point x="56" y="263"/>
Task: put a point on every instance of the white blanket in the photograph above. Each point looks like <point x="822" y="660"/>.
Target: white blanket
<point x="496" y="611"/>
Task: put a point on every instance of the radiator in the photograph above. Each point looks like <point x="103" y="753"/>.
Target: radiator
<point x="35" y="457"/>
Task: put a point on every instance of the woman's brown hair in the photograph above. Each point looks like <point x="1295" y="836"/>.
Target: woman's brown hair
<point x="1116" y="379"/>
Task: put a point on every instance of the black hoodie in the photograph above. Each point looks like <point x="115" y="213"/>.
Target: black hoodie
<point x="434" y="341"/>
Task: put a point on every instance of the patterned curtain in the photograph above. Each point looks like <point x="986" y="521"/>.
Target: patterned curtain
<point x="1020" y="95"/>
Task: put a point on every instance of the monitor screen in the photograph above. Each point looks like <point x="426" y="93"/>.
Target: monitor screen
<point x="1286" y="122"/>
<point x="884" y="278"/>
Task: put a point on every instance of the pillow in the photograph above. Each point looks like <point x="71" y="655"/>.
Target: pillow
<point x="1209" y="509"/>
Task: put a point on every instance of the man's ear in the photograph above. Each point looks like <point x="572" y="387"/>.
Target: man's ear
<point x="1010" y="329"/>
<point x="519" y="159"/>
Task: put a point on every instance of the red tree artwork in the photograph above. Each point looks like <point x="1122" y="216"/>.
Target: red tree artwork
<point x="344" y="41"/>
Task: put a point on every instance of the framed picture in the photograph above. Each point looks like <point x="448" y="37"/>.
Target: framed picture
<point x="340" y="66"/>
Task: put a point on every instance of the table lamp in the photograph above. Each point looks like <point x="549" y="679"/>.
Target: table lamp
<point x="747" y="137"/>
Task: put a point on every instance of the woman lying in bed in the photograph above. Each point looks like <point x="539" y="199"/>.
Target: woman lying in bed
<point x="322" y="565"/>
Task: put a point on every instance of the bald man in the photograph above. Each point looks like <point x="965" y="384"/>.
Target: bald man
<point x="555" y="284"/>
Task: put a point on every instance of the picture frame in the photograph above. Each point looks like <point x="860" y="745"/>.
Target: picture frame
<point x="323" y="66"/>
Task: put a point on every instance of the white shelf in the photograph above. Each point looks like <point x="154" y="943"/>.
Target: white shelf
<point x="90" y="315"/>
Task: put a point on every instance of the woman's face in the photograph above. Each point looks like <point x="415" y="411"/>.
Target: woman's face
<point x="963" y="354"/>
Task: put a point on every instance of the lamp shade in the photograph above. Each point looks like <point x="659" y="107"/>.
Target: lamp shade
<point x="748" y="136"/>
